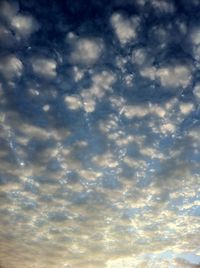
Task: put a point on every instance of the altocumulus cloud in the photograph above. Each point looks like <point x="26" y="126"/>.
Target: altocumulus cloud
<point x="99" y="133"/>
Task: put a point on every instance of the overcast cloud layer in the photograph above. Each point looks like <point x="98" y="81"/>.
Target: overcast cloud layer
<point x="100" y="134"/>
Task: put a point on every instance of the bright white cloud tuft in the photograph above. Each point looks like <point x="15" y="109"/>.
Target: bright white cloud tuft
<point x="186" y="108"/>
<point x="86" y="50"/>
<point x="125" y="29"/>
<point x="11" y="67"/>
<point x="149" y="72"/>
<point x="78" y="73"/>
<point x="101" y="83"/>
<point x="24" y="25"/>
<point x="139" y="56"/>
<point x="73" y="102"/>
<point x="174" y="76"/>
<point x="171" y="76"/>
<point x="44" y="67"/>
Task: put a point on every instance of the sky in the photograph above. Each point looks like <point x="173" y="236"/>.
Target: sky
<point x="100" y="134"/>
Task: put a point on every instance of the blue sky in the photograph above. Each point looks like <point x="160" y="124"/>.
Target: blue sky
<point x="100" y="133"/>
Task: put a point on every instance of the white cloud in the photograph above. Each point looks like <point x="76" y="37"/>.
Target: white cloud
<point x="149" y="72"/>
<point x="24" y="25"/>
<point x="35" y="132"/>
<point x="105" y="160"/>
<point x="162" y="6"/>
<point x="33" y="92"/>
<point x="151" y="152"/>
<point x="135" y="162"/>
<point x="139" y="56"/>
<point x="167" y="128"/>
<point x="143" y="58"/>
<point x="44" y="67"/>
<point x="127" y="262"/>
<point x="147" y="261"/>
<point x="194" y="135"/>
<point x="90" y="174"/>
<point x="141" y="3"/>
<point x="89" y="104"/>
<point x="131" y="111"/>
<point x="86" y="50"/>
<point x="89" y="100"/>
<point x="103" y="81"/>
<point x="70" y="37"/>
<point x="125" y="29"/>
<point x="121" y="63"/>
<point x="195" y="36"/>
<point x="195" y="40"/>
<point x="171" y="76"/>
<point x="174" y="76"/>
<point x="11" y="67"/>
<point x="46" y="107"/>
<point x="186" y="108"/>
<point x="110" y="124"/>
<point x="128" y="79"/>
<point x="73" y="102"/>
<point x="120" y="151"/>
<point x="196" y="90"/>
<point x="78" y="74"/>
<point x="196" y="53"/>
<point x="8" y="9"/>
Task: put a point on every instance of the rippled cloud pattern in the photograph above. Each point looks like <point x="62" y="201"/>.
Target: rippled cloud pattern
<point x="100" y="134"/>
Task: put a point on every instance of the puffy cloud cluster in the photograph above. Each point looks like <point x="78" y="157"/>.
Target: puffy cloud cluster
<point x="98" y="156"/>
<point x="126" y="29"/>
<point x="11" y="67"/>
<point x="169" y="76"/>
<point x="44" y="67"/>
<point x="86" y="50"/>
<point x="101" y="84"/>
<point x="22" y="25"/>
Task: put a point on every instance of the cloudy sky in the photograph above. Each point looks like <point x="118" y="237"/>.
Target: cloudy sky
<point x="100" y="134"/>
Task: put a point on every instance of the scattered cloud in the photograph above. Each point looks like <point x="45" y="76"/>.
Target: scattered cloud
<point x="175" y="76"/>
<point x="163" y="6"/>
<point x="44" y="67"/>
<point x="86" y="50"/>
<point x="11" y="67"/>
<point x="9" y="9"/>
<point x="18" y="25"/>
<point x="171" y="76"/>
<point x="196" y="90"/>
<point x="24" y="25"/>
<point x="126" y="29"/>
<point x="99" y="134"/>
<point x="73" y="102"/>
